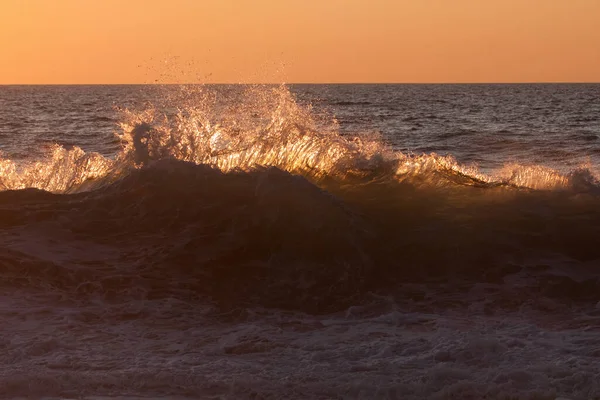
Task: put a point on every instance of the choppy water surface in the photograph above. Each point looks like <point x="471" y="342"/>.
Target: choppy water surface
<point x="311" y="241"/>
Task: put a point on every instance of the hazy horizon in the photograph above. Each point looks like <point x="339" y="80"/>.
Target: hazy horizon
<point x="298" y="83"/>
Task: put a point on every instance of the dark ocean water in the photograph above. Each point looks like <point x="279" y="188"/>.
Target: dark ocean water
<point x="304" y="241"/>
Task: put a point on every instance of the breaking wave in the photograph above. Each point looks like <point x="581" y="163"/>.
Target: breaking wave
<point x="251" y="199"/>
<point x="263" y="126"/>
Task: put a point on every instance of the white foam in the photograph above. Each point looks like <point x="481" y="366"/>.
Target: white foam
<point x="169" y="349"/>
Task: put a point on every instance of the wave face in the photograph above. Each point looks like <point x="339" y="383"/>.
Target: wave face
<point x="255" y="198"/>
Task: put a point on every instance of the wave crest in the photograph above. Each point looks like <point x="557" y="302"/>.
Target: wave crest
<point x="62" y="171"/>
<point x="262" y="126"/>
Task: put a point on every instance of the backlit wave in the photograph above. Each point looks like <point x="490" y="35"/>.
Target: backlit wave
<point x="255" y="199"/>
<point x="260" y="126"/>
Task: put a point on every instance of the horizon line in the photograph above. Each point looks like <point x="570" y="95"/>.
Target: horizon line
<point x="308" y="83"/>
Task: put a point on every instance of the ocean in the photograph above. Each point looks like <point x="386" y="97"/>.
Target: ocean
<point x="300" y="241"/>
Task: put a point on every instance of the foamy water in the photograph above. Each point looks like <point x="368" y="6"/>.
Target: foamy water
<point x="268" y="242"/>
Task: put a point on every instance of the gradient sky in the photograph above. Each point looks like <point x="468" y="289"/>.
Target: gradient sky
<point x="140" y="41"/>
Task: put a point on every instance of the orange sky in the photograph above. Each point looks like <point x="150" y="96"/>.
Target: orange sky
<point x="122" y="41"/>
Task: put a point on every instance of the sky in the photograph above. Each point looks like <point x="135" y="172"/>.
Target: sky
<point x="318" y="41"/>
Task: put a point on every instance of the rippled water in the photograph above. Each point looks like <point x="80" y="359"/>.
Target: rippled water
<point x="311" y="241"/>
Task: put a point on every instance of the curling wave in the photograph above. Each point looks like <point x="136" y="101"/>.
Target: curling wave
<point x="264" y="126"/>
<point x="253" y="200"/>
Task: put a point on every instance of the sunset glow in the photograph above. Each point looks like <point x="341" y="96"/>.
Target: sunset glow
<point x="116" y="41"/>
